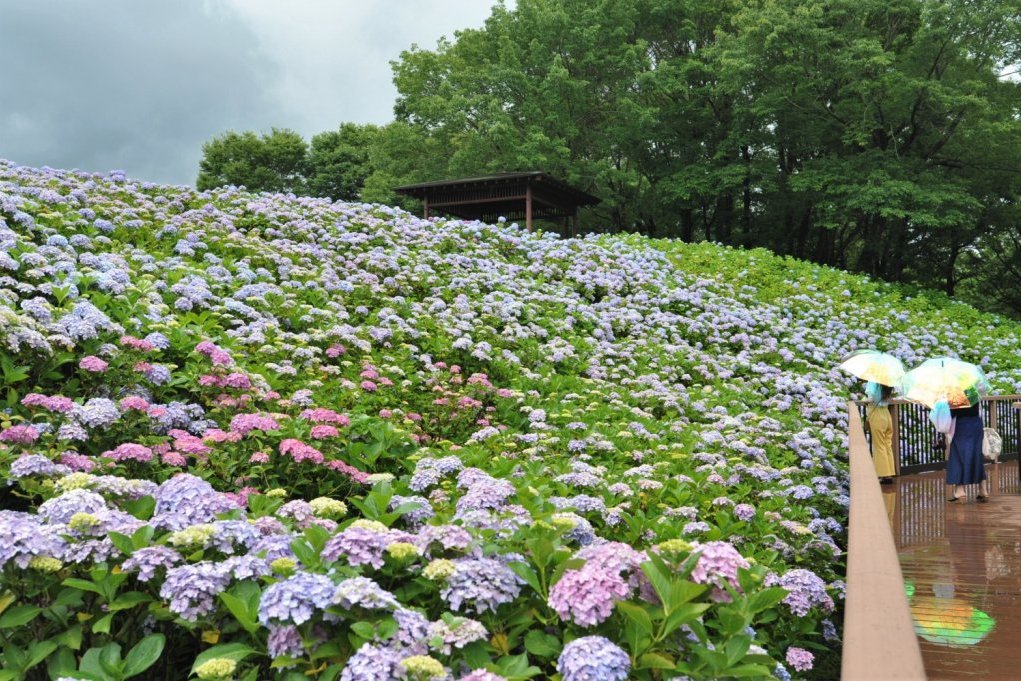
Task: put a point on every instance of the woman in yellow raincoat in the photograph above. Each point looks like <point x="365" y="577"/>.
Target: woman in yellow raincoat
<point x="880" y="424"/>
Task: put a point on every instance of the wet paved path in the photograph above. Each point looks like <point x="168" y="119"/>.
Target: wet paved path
<point x="962" y="571"/>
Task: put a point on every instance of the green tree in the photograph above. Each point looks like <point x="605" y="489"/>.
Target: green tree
<point x="852" y="132"/>
<point x="338" y="161"/>
<point x="274" y="162"/>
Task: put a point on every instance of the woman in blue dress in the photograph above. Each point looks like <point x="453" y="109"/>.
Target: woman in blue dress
<point x="966" y="465"/>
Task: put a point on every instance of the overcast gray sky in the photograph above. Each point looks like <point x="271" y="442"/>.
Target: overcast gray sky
<point x="139" y="85"/>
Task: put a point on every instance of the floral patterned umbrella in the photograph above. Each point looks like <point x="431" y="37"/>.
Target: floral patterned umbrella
<point x="873" y="365"/>
<point x="960" y="383"/>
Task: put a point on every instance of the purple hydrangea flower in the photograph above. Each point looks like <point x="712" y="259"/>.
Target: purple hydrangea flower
<point x="295" y="599"/>
<point x="192" y="589"/>
<point x="98" y="412"/>
<point x="60" y="509"/>
<point x="412" y="631"/>
<point x="593" y="658"/>
<point x="185" y="500"/>
<point x="149" y="559"/>
<point x="482" y="583"/>
<point x="22" y="538"/>
<point x="359" y="545"/>
<point x="285" y="640"/>
<point x="800" y="659"/>
<point x="718" y="563"/>
<point x="806" y="590"/>
<point x="587" y="596"/>
<point x="246" y="567"/>
<point x="457" y="633"/>
<point x="372" y="663"/>
<point x="450" y="537"/>
<point x="36" y="464"/>
<point x="273" y="546"/>
<point x="415" y="516"/>
<point x="362" y="592"/>
<point x="482" y="675"/>
<point x="744" y="512"/>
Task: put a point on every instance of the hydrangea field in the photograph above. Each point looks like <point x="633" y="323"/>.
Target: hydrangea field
<point x="251" y="436"/>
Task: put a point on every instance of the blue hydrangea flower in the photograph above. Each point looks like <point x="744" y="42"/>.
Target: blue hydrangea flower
<point x="192" y="589"/>
<point x="482" y="584"/>
<point x="372" y="663"/>
<point x="295" y="599"/>
<point x="593" y="658"/>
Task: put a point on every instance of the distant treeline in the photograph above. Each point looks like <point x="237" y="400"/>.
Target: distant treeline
<point x="881" y="136"/>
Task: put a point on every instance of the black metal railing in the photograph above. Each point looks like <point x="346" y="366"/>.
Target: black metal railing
<point x="914" y="438"/>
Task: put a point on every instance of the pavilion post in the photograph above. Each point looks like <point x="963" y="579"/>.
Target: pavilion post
<point x="425" y="208"/>
<point x="528" y="207"/>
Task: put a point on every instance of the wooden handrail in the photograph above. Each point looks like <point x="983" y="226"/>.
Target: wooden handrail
<point x="879" y="634"/>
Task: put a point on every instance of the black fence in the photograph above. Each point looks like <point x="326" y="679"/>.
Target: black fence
<point x="914" y="437"/>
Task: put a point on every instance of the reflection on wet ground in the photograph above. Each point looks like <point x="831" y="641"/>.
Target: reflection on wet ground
<point x="962" y="571"/>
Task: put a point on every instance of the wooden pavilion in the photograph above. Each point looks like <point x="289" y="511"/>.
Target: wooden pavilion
<point x="515" y="196"/>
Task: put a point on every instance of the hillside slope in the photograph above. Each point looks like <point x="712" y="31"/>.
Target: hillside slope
<point x="494" y="424"/>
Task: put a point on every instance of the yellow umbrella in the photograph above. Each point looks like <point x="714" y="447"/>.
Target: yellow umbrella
<point x="873" y="365"/>
<point x="960" y="383"/>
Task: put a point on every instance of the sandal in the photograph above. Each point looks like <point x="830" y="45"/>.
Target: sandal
<point x="983" y="498"/>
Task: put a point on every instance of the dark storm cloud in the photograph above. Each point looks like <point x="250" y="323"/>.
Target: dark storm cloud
<point x="128" y="84"/>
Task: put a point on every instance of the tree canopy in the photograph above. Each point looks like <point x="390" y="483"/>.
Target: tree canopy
<point x="876" y="135"/>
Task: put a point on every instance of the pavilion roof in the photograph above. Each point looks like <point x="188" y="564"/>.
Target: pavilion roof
<point x="487" y="197"/>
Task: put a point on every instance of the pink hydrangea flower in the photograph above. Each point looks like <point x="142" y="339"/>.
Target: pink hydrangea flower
<point x="335" y="351"/>
<point x="718" y="563"/>
<point x="20" y="435"/>
<point x="348" y="470"/>
<point x="587" y="596"/>
<point x="77" y="462"/>
<point x="215" y="353"/>
<point x="188" y="443"/>
<point x="299" y="451"/>
<point x="173" y="458"/>
<point x="800" y="659"/>
<point x="217" y="435"/>
<point x="130" y="451"/>
<point x="246" y="423"/>
<point x="238" y="381"/>
<point x="55" y="403"/>
<point x="137" y="344"/>
<point x="134" y="402"/>
<point x="322" y="432"/>
<point x="321" y="415"/>
<point x="93" y="364"/>
<point x="259" y="457"/>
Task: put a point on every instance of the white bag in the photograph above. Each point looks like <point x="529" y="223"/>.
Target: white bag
<point x="992" y="445"/>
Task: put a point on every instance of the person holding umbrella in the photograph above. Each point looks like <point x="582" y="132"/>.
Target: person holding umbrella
<point x="946" y="384"/>
<point x="880" y="425"/>
<point x="882" y="371"/>
<point x="965" y="465"/>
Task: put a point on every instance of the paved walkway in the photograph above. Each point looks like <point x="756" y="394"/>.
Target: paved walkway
<point x="962" y="571"/>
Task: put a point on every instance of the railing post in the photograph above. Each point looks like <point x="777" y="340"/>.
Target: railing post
<point x="992" y="413"/>
<point x="895" y="438"/>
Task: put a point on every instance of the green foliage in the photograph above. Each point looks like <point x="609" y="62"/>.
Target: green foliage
<point x="274" y="162"/>
<point x="339" y="162"/>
